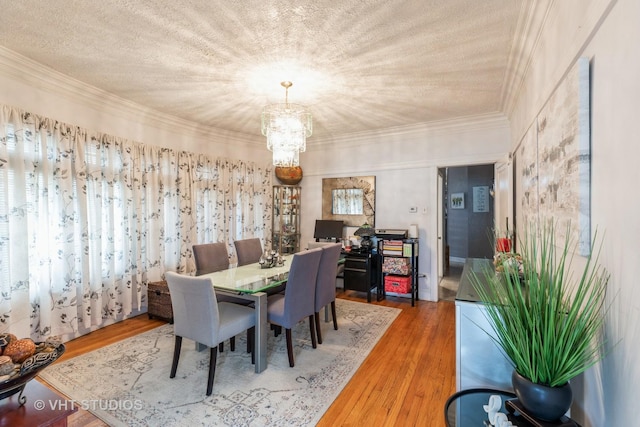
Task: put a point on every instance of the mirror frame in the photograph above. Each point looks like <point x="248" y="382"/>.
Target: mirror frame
<point x="368" y="186"/>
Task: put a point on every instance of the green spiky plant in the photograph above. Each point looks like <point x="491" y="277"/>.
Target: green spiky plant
<point x="548" y="324"/>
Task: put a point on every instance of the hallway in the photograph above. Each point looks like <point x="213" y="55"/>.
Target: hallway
<point x="448" y="286"/>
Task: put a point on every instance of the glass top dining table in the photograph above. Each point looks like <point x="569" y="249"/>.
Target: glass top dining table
<point x="250" y="278"/>
<point x="250" y="282"/>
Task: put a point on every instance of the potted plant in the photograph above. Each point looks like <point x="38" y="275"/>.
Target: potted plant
<point x="547" y="321"/>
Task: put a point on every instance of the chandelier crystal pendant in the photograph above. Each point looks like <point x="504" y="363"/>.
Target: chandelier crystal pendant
<point x="287" y="127"/>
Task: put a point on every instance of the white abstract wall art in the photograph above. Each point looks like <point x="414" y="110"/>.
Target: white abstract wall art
<point x="527" y="161"/>
<point x="564" y="158"/>
<point x="553" y="163"/>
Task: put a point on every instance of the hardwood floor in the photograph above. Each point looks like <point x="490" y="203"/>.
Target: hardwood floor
<point x="404" y="381"/>
<point x="408" y="376"/>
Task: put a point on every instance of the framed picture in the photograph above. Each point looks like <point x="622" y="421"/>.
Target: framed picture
<point x="553" y="161"/>
<point x="481" y="199"/>
<point x="564" y="158"/>
<point x="457" y="200"/>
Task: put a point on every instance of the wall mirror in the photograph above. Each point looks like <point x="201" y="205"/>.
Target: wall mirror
<point x="350" y="199"/>
<point x="347" y="201"/>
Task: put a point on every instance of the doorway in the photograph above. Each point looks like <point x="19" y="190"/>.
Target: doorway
<point x="465" y="221"/>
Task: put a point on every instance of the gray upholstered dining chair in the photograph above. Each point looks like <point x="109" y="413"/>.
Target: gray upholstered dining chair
<point x="212" y="257"/>
<point x="326" y="284"/>
<point x="314" y="244"/>
<point x="198" y="316"/>
<point x="297" y="302"/>
<point x="248" y="251"/>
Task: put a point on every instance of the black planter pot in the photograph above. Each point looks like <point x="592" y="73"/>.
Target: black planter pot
<point x="540" y="401"/>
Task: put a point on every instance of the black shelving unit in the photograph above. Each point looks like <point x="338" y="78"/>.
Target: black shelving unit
<point x="402" y="261"/>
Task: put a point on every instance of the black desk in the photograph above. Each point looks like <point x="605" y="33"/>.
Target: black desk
<point x="360" y="272"/>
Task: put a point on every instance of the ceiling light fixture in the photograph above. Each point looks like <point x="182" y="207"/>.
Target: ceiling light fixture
<point x="287" y="127"/>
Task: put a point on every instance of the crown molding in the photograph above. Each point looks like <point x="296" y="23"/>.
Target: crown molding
<point x="531" y="21"/>
<point x="452" y="126"/>
<point x="37" y="75"/>
<point x="363" y="168"/>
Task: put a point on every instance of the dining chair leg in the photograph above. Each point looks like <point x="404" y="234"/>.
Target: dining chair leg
<point x="312" y="330"/>
<point x="212" y="369"/>
<point x="318" y="330"/>
<point x="232" y="343"/>
<point x="250" y="338"/>
<point x="289" y="346"/>
<point x="221" y="347"/>
<point x="176" y="356"/>
<point x="333" y="313"/>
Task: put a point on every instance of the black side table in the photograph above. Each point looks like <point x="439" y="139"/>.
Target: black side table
<point x="465" y="408"/>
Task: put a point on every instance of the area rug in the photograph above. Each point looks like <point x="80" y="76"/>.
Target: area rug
<point x="128" y="384"/>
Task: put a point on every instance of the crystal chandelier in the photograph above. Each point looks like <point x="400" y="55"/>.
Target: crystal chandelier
<point x="286" y="127"/>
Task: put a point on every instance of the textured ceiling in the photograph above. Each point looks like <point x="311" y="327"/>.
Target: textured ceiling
<point x="358" y="65"/>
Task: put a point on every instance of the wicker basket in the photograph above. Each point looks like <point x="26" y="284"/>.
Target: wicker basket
<point x="159" y="301"/>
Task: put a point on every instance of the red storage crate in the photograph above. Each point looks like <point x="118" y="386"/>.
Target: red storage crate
<point x="397" y="284"/>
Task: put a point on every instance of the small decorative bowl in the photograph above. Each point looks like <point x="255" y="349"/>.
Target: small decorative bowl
<point x="28" y="370"/>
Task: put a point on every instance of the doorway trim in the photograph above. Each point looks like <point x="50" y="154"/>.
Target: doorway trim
<point x="500" y="183"/>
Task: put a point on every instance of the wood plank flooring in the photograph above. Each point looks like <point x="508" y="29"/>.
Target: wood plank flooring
<point x="404" y="381"/>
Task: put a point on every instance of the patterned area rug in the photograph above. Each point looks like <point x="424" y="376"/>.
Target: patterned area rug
<point x="128" y="384"/>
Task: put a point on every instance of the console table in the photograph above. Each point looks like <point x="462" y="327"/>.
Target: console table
<point x="479" y="361"/>
<point x="43" y="408"/>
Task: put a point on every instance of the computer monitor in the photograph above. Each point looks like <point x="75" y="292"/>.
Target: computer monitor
<point x="328" y="229"/>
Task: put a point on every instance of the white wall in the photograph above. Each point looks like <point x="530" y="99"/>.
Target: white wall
<point x="606" y="33"/>
<point x="405" y="162"/>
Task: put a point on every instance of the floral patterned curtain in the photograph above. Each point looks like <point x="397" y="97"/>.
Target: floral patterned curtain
<point x="233" y="196"/>
<point x="87" y="219"/>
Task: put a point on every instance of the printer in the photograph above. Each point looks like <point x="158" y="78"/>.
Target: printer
<point x="391" y="233"/>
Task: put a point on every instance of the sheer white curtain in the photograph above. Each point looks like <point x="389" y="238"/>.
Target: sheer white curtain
<point x="233" y="200"/>
<point x="87" y="219"/>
